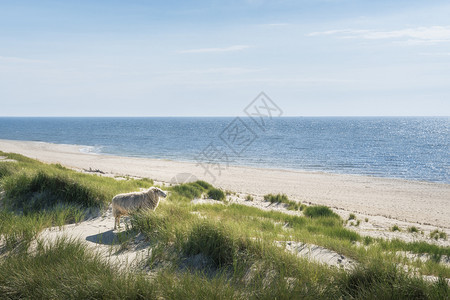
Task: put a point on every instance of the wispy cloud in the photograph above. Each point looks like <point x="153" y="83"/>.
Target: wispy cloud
<point x="417" y="35"/>
<point x="10" y="59"/>
<point x="216" y="50"/>
<point x="224" y="71"/>
<point x="277" y="24"/>
<point x="435" y="53"/>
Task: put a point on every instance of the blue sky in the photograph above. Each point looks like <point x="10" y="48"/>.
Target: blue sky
<point x="211" y="58"/>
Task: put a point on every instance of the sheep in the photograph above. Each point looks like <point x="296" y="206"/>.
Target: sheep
<point x="123" y="204"/>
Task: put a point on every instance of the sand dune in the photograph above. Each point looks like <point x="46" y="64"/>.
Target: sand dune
<point x="411" y="201"/>
<point x="98" y="234"/>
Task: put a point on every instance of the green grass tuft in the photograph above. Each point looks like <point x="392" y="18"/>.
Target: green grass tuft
<point x="319" y="211"/>
<point x="205" y="185"/>
<point x="279" y="198"/>
<point x="212" y="240"/>
<point x="216" y="194"/>
<point x="42" y="190"/>
<point x="395" y="228"/>
<point x="7" y="169"/>
<point x="436" y="234"/>
<point x="191" y="190"/>
<point x="415" y="247"/>
<point x="367" y="240"/>
<point x="188" y="190"/>
<point x="413" y="229"/>
<point x="282" y="198"/>
<point x="381" y="280"/>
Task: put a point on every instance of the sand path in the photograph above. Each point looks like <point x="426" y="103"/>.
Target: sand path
<point x="116" y="246"/>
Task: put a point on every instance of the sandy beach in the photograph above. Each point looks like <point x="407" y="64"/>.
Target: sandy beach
<point x="409" y="201"/>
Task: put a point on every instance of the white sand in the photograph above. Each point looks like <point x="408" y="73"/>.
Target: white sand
<point x="319" y="254"/>
<point x="410" y="201"/>
<point x="99" y="236"/>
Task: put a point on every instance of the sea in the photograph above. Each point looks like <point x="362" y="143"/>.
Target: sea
<point x="412" y="148"/>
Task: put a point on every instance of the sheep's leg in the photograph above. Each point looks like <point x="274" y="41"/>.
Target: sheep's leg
<point x="116" y="222"/>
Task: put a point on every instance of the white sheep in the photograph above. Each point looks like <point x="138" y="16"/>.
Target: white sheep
<point x="123" y="204"/>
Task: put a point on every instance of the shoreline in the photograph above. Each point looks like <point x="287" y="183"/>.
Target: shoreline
<point x="81" y="149"/>
<point x="413" y="201"/>
<point x="305" y="171"/>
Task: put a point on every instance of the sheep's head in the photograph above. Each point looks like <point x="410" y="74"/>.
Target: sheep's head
<point x="159" y="192"/>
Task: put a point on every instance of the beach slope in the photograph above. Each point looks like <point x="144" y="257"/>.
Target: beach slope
<point x="411" y="201"/>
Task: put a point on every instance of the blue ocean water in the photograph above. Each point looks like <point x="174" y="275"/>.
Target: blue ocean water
<point x="415" y="148"/>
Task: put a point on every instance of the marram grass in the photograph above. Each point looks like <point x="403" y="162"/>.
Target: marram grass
<point x="198" y="251"/>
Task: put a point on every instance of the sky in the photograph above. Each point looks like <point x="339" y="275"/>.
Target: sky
<point x="212" y="58"/>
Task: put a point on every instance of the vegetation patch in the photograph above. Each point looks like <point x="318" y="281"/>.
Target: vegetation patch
<point x="32" y="186"/>
<point x="215" y="241"/>
<point x="33" y="192"/>
<point x="395" y="228"/>
<point x="7" y="168"/>
<point x="413" y="229"/>
<point x="415" y="247"/>
<point x="191" y="190"/>
<point x="67" y="270"/>
<point x="282" y="198"/>
<point x="384" y="280"/>
<point x="436" y="234"/>
<point x="37" y="195"/>
<point x="216" y="194"/>
<point x="239" y="241"/>
<point x="319" y="211"/>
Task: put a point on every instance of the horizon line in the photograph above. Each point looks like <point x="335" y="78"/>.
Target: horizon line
<point x="234" y="116"/>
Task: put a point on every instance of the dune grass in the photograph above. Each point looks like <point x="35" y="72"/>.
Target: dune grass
<point x="320" y="211"/>
<point x="235" y="244"/>
<point x="189" y="190"/>
<point x="395" y="228"/>
<point x="216" y="194"/>
<point x="413" y="229"/>
<point x="31" y="186"/>
<point x="35" y="195"/>
<point x="196" y="189"/>
<point x="67" y="270"/>
<point x="282" y="198"/>
<point x="415" y="247"/>
<point x="19" y="230"/>
<point x="436" y="234"/>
